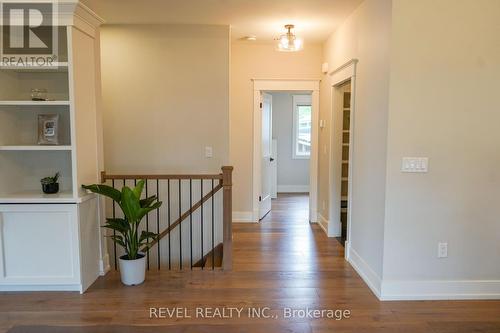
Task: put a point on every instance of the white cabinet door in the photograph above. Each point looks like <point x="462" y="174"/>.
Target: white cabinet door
<point x="39" y="245"/>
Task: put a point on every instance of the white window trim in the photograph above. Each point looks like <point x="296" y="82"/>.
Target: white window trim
<point x="297" y="101"/>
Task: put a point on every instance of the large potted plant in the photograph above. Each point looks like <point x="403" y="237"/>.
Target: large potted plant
<point x="133" y="263"/>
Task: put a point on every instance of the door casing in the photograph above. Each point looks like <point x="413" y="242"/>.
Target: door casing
<point x="300" y="85"/>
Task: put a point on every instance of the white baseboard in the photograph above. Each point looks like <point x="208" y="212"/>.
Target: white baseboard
<point x="336" y="229"/>
<point x="396" y="290"/>
<point x="41" y="287"/>
<point x="323" y="223"/>
<point x="364" y="270"/>
<point x="104" y="266"/>
<point x="246" y="217"/>
<point x="293" y="188"/>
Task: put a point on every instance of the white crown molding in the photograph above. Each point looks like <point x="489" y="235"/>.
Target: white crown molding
<point x="68" y="13"/>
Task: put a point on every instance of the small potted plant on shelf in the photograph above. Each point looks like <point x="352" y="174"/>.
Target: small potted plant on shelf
<point x="127" y="235"/>
<point x="50" y="184"/>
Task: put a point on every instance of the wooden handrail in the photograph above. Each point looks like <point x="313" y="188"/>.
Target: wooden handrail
<point x="105" y="176"/>
<point x="225" y="183"/>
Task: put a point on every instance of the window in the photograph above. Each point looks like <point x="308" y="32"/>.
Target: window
<point x="302" y="119"/>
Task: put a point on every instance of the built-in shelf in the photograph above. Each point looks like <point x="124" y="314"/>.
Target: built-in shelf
<point x="31" y="103"/>
<point x="33" y="148"/>
<point x="38" y="197"/>
<point x="54" y="67"/>
<point x="345" y="161"/>
<point x="345" y="178"/>
<point x="347" y="109"/>
<point x="345" y="131"/>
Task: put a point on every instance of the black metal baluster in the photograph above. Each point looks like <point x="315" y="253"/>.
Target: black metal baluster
<point x="147" y="225"/>
<point x="191" y="219"/>
<point x="168" y="199"/>
<point x="213" y="249"/>
<point x="124" y="184"/>
<point x="180" y="226"/>
<point x="114" y="231"/>
<point x="158" y="221"/>
<point x="201" y="198"/>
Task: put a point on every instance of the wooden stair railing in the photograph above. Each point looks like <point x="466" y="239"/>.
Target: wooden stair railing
<point x="223" y="249"/>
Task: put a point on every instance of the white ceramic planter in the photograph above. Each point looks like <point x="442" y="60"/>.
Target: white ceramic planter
<point x="133" y="272"/>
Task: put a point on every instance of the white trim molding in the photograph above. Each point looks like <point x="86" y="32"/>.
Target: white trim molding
<point x="301" y="85"/>
<point x="337" y="77"/>
<point x="293" y="188"/>
<point x="243" y="217"/>
<point x="104" y="265"/>
<point x="323" y="223"/>
<point x="395" y="290"/>
<point x="364" y="270"/>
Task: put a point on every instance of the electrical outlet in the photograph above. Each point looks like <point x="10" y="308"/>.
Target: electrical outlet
<point x="442" y="250"/>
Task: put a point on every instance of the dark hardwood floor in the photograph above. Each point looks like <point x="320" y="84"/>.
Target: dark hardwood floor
<point x="281" y="262"/>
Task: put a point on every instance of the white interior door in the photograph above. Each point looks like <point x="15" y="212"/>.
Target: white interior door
<point x="266" y="172"/>
<point x="274" y="170"/>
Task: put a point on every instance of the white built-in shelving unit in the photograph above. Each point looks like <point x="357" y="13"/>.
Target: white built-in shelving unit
<point x="57" y="234"/>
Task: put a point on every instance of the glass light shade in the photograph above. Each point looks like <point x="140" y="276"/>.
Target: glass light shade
<point x="290" y="44"/>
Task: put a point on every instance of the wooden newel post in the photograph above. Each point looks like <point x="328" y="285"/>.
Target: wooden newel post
<point x="227" y="219"/>
<point x="103" y="177"/>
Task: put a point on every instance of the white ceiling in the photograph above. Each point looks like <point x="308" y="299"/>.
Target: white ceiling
<point x="315" y="20"/>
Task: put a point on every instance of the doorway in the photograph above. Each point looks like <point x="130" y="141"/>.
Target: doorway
<point x="285" y="163"/>
<point x="342" y="152"/>
<point x="344" y="92"/>
<point x="263" y="143"/>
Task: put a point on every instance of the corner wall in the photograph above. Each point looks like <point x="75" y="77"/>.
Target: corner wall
<point x="445" y="105"/>
<point x="365" y="35"/>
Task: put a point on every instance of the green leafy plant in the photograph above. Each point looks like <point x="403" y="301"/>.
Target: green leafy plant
<point x="134" y="209"/>
<point x="50" y="180"/>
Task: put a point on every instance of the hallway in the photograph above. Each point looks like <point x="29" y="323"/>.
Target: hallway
<point x="281" y="262"/>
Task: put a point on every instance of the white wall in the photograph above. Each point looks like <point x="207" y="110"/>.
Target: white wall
<point x="444" y="104"/>
<point x="365" y="35"/>
<point x="293" y="174"/>
<point x="165" y="97"/>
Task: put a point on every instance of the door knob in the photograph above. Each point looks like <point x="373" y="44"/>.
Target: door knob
<point x="271" y="159"/>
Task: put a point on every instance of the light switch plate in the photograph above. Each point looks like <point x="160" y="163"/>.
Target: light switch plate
<point x="442" y="250"/>
<point x="415" y="164"/>
<point x="209" y="152"/>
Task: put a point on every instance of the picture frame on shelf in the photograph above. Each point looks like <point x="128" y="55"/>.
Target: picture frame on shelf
<point x="48" y="129"/>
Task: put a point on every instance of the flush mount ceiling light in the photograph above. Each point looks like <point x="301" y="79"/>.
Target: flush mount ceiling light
<point x="289" y="42"/>
<point x="250" y="38"/>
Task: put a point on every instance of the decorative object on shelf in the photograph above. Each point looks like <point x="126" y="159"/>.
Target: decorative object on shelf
<point x="50" y="184"/>
<point x="48" y="129"/>
<point x="126" y="230"/>
<point x="289" y="42"/>
<point x="38" y="94"/>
